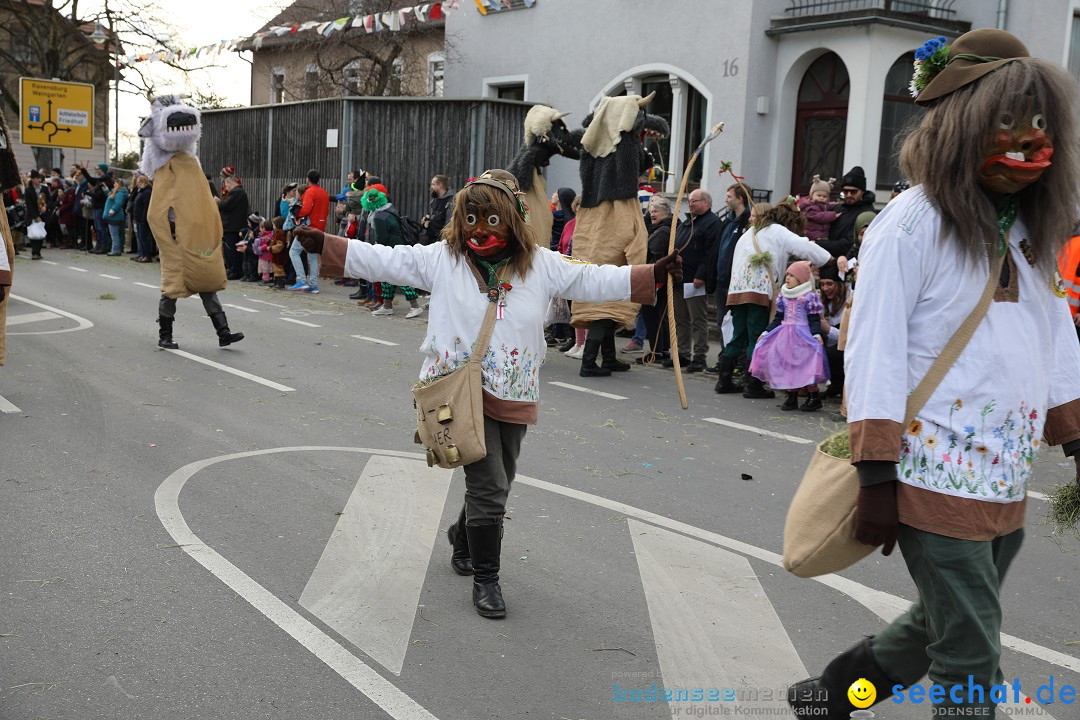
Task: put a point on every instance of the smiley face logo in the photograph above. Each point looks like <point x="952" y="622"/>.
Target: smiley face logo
<point x="862" y="693"/>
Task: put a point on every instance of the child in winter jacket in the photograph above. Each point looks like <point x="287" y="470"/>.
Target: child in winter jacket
<point x="819" y="212"/>
<point x="279" y="251"/>
<point x="262" y="250"/>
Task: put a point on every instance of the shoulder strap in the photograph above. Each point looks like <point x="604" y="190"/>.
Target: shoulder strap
<point x="955" y="346"/>
<point x="480" y="348"/>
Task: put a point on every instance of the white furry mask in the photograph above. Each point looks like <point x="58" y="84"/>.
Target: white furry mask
<point x="171" y="128"/>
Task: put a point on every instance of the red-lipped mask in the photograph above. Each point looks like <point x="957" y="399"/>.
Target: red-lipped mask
<point x="486" y="233"/>
<point x="1017" y="153"/>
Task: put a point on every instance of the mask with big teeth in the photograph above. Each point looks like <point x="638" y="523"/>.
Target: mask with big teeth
<point x="1017" y="152"/>
<point x="486" y="233"/>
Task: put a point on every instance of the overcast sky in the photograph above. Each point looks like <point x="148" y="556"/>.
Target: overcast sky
<point x="195" y="23"/>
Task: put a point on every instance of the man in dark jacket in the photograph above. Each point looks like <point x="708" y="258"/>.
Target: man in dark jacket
<point x="100" y="184"/>
<point x="856" y="200"/>
<point x="233" y="206"/>
<point x="439" y="209"/>
<point x="695" y="240"/>
<point x="736" y="221"/>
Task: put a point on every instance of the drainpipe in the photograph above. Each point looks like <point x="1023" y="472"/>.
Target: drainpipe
<point x="1002" y="13"/>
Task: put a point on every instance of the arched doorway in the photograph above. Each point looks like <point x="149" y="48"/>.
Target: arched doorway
<point x="897" y="110"/>
<point x="820" y="122"/>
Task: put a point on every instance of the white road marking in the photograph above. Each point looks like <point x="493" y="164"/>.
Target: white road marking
<point x="6" y="406"/>
<point x="77" y="269"/>
<point x="111" y="277"/>
<point x="367" y="583"/>
<point x="266" y="303"/>
<point x="356" y="672"/>
<point x="234" y="371"/>
<point x="50" y="262"/>
<point x="374" y="340"/>
<point x="147" y="285"/>
<point x="759" y="431"/>
<point x="240" y="307"/>
<point x="568" y="386"/>
<point x="30" y="317"/>
<point x="713" y="624"/>
<point x="300" y="322"/>
<point x="84" y="324"/>
<point x="394" y="701"/>
<point x="1037" y="495"/>
<point x="887" y="607"/>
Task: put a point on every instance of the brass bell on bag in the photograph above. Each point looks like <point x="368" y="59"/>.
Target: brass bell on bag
<point x="432" y="459"/>
<point x="444" y="414"/>
<point x="452" y="454"/>
<point x="416" y="437"/>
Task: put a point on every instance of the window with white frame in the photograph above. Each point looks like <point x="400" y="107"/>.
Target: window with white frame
<point x="436" y="73"/>
<point x="311" y="82"/>
<point x="1074" y="47"/>
<point x="277" y="85"/>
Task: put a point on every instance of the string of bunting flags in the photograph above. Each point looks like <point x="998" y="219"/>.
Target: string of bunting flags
<point x="392" y="21"/>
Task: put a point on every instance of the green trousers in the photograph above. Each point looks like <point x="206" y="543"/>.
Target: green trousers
<point x="748" y="322"/>
<point x="953" y="630"/>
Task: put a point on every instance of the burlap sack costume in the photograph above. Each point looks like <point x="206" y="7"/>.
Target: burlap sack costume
<point x="613" y="233"/>
<point x="191" y="254"/>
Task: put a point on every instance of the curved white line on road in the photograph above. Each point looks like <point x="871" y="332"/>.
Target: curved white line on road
<point x="84" y="324"/>
<point x="381" y="691"/>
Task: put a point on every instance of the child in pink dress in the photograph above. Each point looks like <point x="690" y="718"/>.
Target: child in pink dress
<point x="262" y="251"/>
<point x="790" y="354"/>
<point x="820" y="213"/>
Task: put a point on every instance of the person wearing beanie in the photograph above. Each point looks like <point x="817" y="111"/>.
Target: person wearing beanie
<point x="791" y="352"/>
<point x="820" y="212"/>
<point x="835" y="299"/>
<point x="856" y="199"/>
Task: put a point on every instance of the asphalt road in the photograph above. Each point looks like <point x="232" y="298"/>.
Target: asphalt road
<point x="181" y="541"/>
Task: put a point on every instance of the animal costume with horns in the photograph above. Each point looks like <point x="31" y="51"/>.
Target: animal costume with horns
<point x="183" y="217"/>
<point x="610" y="228"/>
<point x="488" y="255"/>
<point x="546" y="135"/>
<point x="995" y="167"/>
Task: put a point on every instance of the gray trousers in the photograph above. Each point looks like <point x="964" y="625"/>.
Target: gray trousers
<point x="693" y="325"/>
<point x="487" y="481"/>
<point x="210" y="302"/>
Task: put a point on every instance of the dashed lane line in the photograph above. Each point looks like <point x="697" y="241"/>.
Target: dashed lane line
<point x="50" y="262"/>
<point x="147" y="285"/>
<point x="234" y="371"/>
<point x="374" y="340"/>
<point x="759" y="431"/>
<point x="300" y="322"/>
<point x="111" y="277"/>
<point x="7" y="407"/>
<point x="240" y="307"/>
<point x="590" y="391"/>
<point x="264" y="302"/>
<point x="77" y="269"/>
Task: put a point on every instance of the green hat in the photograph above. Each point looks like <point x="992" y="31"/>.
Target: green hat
<point x="971" y="56"/>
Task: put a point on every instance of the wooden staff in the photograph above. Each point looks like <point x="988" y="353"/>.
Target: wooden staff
<point x="672" y="331"/>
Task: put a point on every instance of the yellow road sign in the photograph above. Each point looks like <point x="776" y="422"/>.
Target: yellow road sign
<point x="56" y="114"/>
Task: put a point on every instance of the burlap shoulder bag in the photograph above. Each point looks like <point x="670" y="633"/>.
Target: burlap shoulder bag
<point x="450" y="410"/>
<point x="819" y="533"/>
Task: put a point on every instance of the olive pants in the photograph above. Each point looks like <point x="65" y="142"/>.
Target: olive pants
<point x="487" y="481"/>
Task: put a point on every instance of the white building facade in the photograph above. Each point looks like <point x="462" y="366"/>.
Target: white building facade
<point x="804" y="87"/>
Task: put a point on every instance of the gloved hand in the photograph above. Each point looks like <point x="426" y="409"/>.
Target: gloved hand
<point x="668" y="265"/>
<point x="311" y="239"/>
<point x="876" y="516"/>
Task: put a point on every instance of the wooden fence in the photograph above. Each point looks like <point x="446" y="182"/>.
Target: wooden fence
<point x="402" y="140"/>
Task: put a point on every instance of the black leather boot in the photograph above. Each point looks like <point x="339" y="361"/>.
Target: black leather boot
<point x="825" y="697"/>
<point x="460" y="559"/>
<point x="791" y="402"/>
<point x="813" y="402"/>
<point x="611" y="362"/>
<point x="225" y="337"/>
<point x="165" y="339"/>
<point x="485" y="546"/>
<point x="589" y="367"/>
<point x="724" y="383"/>
<point x="755" y="389"/>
